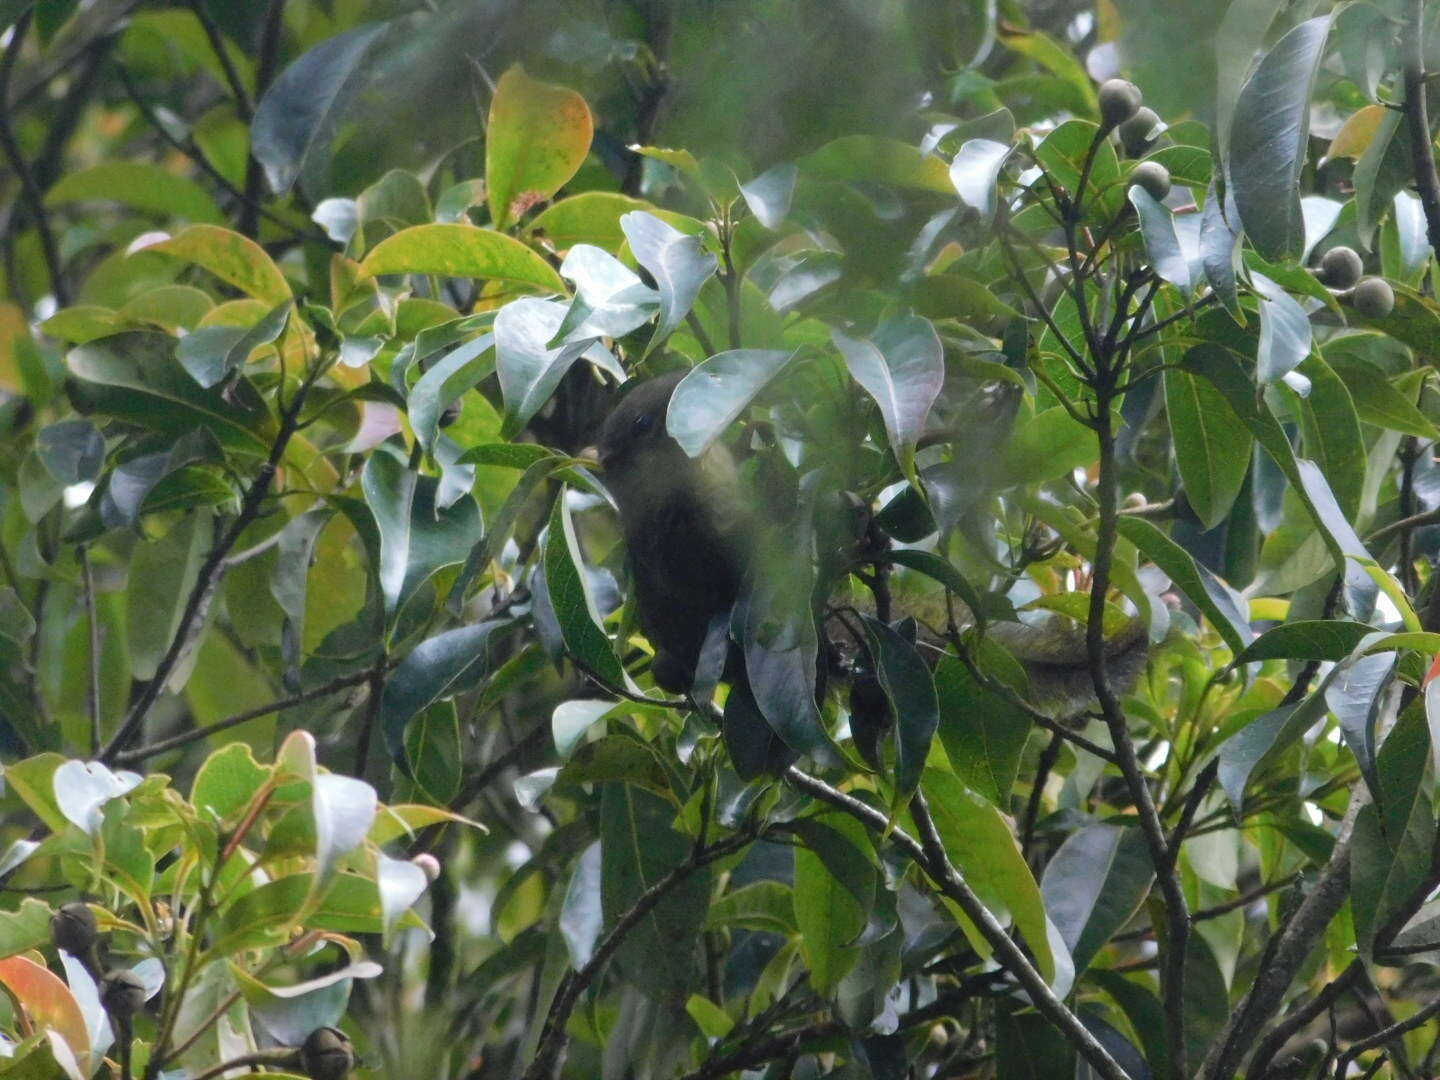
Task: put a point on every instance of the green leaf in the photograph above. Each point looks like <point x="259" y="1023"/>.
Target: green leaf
<point x="770" y="193"/>
<point x="1062" y="155"/>
<point x="461" y="251"/>
<point x="713" y="1021"/>
<point x="1262" y="739"/>
<point x="450" y="663"/>
<point x="136" y="377"/>
<point x="716" y="391"/>
<point x="835" y="885"/>
<point x="140" y="186"/>
<point x="1220" y="604"/>
<point x="1157" y="226"/>
<point x="580" y="624"/>
<point x="677" y="262"/>
<point x="16" y="623"/>
<point x="417" y="539"/>
<point x="211" y="353"/>
<point x="1240" y="36"/>
<point x="162" y="575"/>
<point x="876" y="159"/>
<point x="1093" y="885"/>
<point x="763" y="905"/>
<point x="902" y="366"/>
<point x="1285" y="334"/>
<point x="570" y="720"/>
<point x="529" y="369"/>
<point x="1328" y="639"/>
<point x="537" y="137"/>
<point x="1394" y="836"/>
<point x="979" y="840"/>
<point x="610" y="299"/>
<point x="300" y="114"/>
<point x="1268" y="141"/>
<point x="1050" y="54"/>
<point x="71" y="450"/>
<point x="639" y="847"/>
<point x="1220" y="248"/>
<point x="234" y="259"/>
<point x="1212" y="447"/>
<point x="983" y="734"/>
<point x="1356" y="696"/>
<point x="911" y="695"/>
<point x="975" y="172"/>
<point x="1331" y="428"/>
<point x="592" y="217"/>
<point x="432" y="746"/>
<point x="226" y="783"/>
<point x="25" y="928"/>
<point x="581" y="918"/>
<point x="445" y="381"/>
<point x="1377" y="401"/>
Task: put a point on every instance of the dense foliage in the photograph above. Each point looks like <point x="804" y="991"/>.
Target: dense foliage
<point x="1085" y="433"/>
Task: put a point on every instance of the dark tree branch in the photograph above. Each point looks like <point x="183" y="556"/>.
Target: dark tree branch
<point x="1417" y="121"/>
<point x="930" y="857"/>
<point x="268" y="58"/>
<point x="1386" y="1035"/>
<point x="1176" y="910"/>
<point x="29" y="189"/>
<point x="1290" y="945"/>
<point x="1276" y="1038"/>
<point x="243" y="106"/>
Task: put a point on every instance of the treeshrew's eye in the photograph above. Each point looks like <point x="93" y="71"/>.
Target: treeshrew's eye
<point x="641" y="424"/>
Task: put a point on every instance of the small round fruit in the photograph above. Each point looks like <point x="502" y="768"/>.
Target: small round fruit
<point x="1135" y="132"/>
<point x="1153" y="177"/>
<point x="327" y="1054"/>
<point x="1119" y="101"/>
<point x="122" y="992"/>
<point x="1340" y="267"/>
<point x="73" y="928"/>
<point x="429" y="864"/>
<point x="1373" y="298"/>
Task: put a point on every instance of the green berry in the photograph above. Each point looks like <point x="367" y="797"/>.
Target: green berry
<point x="1119" y="101"/>
<point x="1153" y="177"/>
<point x="1340" y="267"/>
<point x="1373" y="298"/>
<point x="122" y="993"/>
<point x="327" y="1054"/>
<point x="73" y="928"/>
<point x="1136" y="132"/>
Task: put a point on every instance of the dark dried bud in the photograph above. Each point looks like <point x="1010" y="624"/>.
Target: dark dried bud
<point x="73" y="928"/>
<point x="451" y="414"/>
<point x="1340" y="267"/>
<point x="327" y="1054"/>
<point x="1373" y="298"/>
<point x="1136" y="133"/>
<point x="122" y="993"/>
<point x="1119" y="101"/>
<point x="1153" y="177"/>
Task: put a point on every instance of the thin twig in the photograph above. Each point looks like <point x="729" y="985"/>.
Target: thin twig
<point x="280" y="1056"/>
<point x="243" y="106"/>
<point x="140" y="753"/>
<point x="1385" y="1035"/>
<point x="87" y="580"/>
<point x="554" y="1036"/>
<point x="29" y="189"/>
<point x="210" y="573"/>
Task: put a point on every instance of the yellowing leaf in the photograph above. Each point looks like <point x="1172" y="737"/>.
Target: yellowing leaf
<point x="232" y="258"/>
<point x="1353" y="138"/>
<point x="538" y="135"/>
<point x="460" y="251"/>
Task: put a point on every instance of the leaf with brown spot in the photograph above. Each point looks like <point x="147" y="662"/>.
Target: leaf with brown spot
<point x="538" y="135"/>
